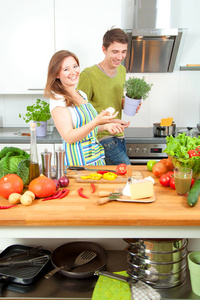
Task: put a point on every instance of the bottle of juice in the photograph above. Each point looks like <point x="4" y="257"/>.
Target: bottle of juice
<point x="34" y="165"/>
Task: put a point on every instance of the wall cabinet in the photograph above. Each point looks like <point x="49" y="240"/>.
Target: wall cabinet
<point x="80" y="27"/>
<point x="34" y="30"/>
<point x="27" y="43"/>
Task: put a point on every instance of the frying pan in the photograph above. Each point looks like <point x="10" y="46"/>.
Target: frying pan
<point x="23" y="275"/>
<point x="66" y="254"/>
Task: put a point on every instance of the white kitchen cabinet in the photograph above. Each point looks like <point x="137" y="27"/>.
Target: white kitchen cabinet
<point x="27" y="44"/>
<point x="80" y="27"/>
<point x="31" y="31"/>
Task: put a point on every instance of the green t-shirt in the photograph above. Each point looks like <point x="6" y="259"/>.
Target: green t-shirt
<point x="103" y="91"/>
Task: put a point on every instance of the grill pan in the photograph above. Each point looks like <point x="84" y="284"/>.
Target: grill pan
<point x="66" y="254"/>
<point x="23" y="275"/>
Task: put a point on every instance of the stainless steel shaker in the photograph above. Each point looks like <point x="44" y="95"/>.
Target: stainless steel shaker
<point x="46" y="163"/>
<point x="60" y="166"/>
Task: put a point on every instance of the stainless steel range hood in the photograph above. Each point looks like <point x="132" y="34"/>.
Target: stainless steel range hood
<point x="153" y="45"/>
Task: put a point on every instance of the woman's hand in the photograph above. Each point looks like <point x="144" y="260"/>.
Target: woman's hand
<point x="122" y="122"/>
<point x="105" y="117"/>
<point x="114" y="128"/>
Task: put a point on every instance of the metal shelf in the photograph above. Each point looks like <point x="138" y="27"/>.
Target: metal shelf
<point x="60" y="287"/>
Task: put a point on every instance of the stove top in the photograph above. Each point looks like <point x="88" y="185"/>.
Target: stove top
<point x="140" y="132"/>
<point x="147" y="132"/>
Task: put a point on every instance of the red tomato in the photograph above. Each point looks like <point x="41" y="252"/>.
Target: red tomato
<point x="192" y="153"/>
<point x="10" y="183"/>
<point x="121" y="169"/>
<point x="164" y="180"/>
<point x="170" y="174"/>
<point x="172" y="183"/>
<point x="198" y="150"/>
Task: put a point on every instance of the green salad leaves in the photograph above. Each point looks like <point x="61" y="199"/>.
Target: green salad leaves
<point x="180" y="145"/>
<point x="177" y="149"/>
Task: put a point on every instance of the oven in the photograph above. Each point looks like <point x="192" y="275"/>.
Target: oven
<point x="140" y="154"/>
<point x="142" y="146"/>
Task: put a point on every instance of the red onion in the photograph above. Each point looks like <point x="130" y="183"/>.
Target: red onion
<point x="56" y="183"/>
<point x="63" y="181"/>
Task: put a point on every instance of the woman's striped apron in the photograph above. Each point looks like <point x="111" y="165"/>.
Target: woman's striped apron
<point x="86" y="151"/>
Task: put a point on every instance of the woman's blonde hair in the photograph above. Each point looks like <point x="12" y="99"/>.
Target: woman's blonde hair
<point x="54" y="85"/>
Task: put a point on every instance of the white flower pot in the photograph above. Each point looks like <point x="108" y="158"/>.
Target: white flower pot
<point x="42" y="129"/>
<point x="130" y="106"/>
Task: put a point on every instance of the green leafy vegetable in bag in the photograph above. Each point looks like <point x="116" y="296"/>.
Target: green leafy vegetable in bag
<point x="10" y="157"/>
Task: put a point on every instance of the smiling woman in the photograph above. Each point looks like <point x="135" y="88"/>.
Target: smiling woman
<point x="75" y="119"/>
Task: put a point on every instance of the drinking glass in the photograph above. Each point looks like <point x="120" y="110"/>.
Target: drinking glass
<point x="183" y="179"/>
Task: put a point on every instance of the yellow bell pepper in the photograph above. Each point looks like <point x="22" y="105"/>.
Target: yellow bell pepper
<point x="95" y="176"/>
<point x="110" y="176"/>
<point x="84" y="177"/>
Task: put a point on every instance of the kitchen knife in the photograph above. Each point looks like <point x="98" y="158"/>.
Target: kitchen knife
<point x="87" y="169"/>
<point x="105" y="197"/>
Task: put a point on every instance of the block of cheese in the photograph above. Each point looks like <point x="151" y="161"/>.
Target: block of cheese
<point x="142" y="189"/>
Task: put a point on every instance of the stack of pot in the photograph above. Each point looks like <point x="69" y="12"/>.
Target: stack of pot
<point x="159" y="262"/>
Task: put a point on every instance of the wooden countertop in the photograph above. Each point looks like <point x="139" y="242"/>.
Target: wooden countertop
<point x="168" y="209"/>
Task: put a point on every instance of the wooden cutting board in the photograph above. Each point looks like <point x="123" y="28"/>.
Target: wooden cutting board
<point x="119" y="179"/>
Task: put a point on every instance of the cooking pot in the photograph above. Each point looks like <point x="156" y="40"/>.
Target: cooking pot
<point x="160" y="262"/>
<point x="163" y="131"/>
<point x="190" y="132"/>
<point x="160" y="280"/>
<point x="166" y="246"/>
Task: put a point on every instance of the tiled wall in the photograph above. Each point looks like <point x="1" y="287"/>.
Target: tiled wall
<point x="174" y="95"/>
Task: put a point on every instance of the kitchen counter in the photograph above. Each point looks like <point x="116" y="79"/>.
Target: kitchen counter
<point x="74" y="217"/>
<point x="12" y="135"/>
<point x="137" y="135"/>
<point x="167" y="216"/>
<point x="132" y="135"/>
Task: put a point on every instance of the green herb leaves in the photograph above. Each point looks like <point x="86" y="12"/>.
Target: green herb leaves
<point x="38" y="112"/>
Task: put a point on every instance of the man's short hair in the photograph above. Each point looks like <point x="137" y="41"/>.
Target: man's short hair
<point x="114" y="35"/>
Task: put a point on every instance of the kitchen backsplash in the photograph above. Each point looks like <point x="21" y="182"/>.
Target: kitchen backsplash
<point x="174" y="95"/>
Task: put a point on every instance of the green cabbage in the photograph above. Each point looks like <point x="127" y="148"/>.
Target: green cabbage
<point x="10" y="157"/>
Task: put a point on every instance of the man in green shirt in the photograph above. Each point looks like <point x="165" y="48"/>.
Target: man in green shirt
<point x="104" y="85"/>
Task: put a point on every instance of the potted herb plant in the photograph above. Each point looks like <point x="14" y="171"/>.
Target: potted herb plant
<point x="39" y="113"/>
<point x="136" y="89"/>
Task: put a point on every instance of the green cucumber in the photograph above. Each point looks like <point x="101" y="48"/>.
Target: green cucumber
<point x="193" y="195"/>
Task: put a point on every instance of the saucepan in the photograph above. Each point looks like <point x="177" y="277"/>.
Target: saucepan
<point x="66" y="254"/>
<point x="163" y="131"/>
